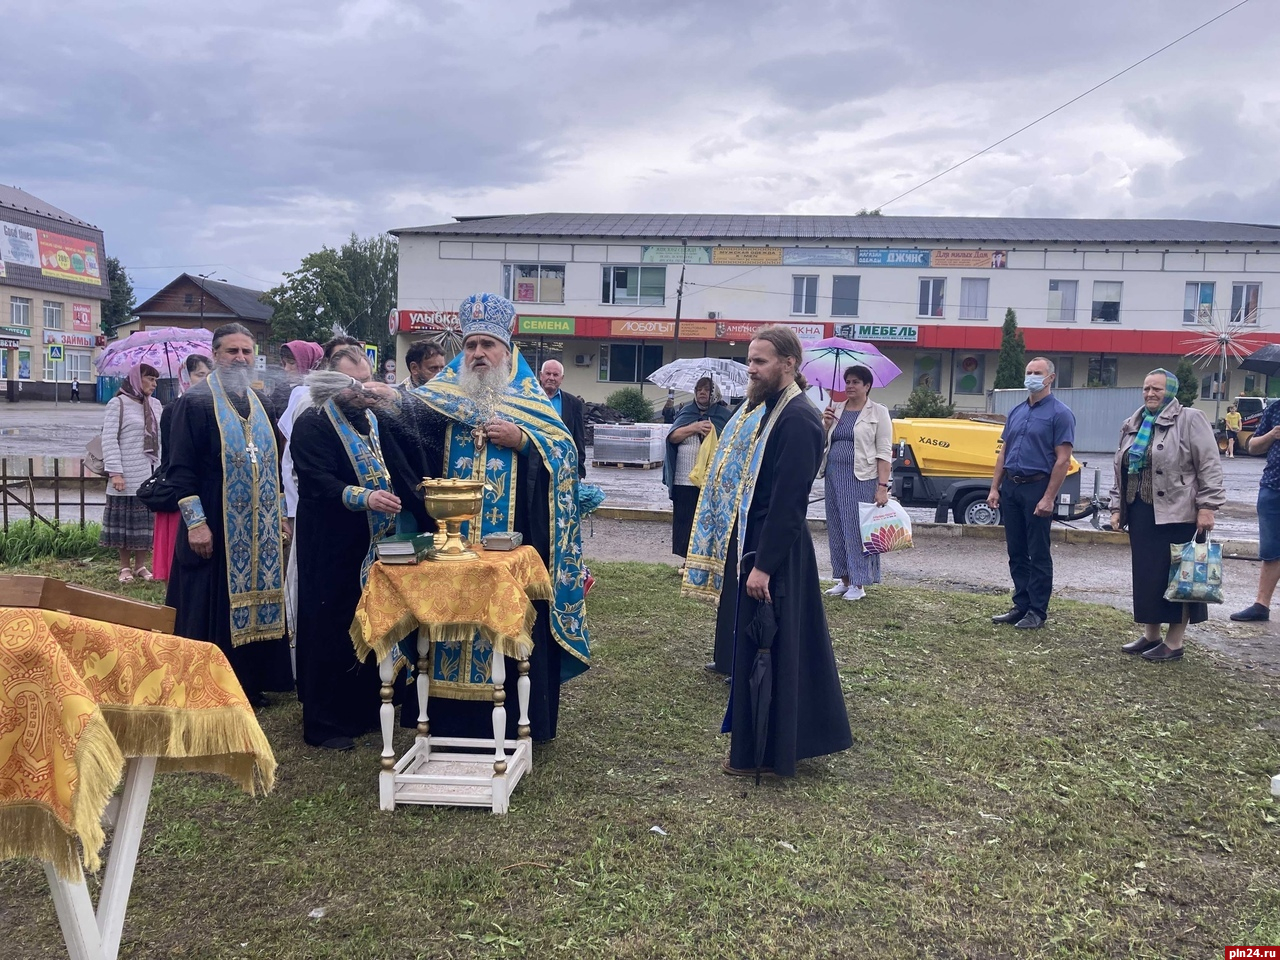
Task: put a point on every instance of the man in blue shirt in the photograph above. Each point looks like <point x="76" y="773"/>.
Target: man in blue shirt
<point x="1264" y="441"/>
<point x="1035" y="454"/>
<point x="568" y="406"/>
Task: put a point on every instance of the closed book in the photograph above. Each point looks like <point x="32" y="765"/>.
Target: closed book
<point x="398" y="558"/>
<point x="405" y="544"/>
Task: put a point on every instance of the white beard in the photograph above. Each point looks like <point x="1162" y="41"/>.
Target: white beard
<point x="236" y="378"/>
<point x="482" y="383"/>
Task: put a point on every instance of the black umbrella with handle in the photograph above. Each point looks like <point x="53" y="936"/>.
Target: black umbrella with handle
<point x="761" y="633"/>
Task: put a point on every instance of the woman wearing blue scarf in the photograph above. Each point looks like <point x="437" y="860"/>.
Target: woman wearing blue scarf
<point x="1168" y="484"/>
<point x="692" y="423"/>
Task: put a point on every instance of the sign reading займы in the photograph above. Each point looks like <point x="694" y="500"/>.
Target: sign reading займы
<point x="878" y="331"/>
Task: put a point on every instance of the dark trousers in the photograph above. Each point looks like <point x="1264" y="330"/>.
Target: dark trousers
<point x="1027" y="538"/>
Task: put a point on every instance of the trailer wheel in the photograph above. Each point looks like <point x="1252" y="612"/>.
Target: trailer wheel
<point x="973" y="508"/>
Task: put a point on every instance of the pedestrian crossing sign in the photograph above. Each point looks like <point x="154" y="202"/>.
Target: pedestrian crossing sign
<point x="55" y="353"/>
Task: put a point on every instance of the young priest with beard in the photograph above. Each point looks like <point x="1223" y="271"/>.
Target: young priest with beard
<point x="353" y="482"/>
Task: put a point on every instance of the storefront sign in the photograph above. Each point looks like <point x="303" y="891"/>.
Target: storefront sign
<point x="819" y="256"/>
<point x="69" y="258"/>
<point x="427" y="321"/>
<point x="16" y="331"/>
<point x="970" y="259"/>
<point x="747" y="256"/>
<point x="737" y="329"/>
<point x="558" y="325"/>
<point x="698" y="330"/>
<point x="675" y="254"/>
<point x="68" y="339"/>
<point x="8" y="343"/>
<point x="653" y="329"/>
<point x="892" y="258"/>
<point x="807" y="331"/>
<point x="875" y="331"/>
<point x="82" y="316"/>
<point x="19" y="244"/>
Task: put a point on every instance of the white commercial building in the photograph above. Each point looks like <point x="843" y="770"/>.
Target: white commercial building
<point x="1107" y="300"/>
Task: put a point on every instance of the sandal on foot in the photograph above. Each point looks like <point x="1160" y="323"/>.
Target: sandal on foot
<point x="143" y="574"/>
<point x="126" y="575"/>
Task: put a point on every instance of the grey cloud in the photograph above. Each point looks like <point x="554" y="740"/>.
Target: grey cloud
<point x="814" y="81"/>
<point x="789" y="124"/>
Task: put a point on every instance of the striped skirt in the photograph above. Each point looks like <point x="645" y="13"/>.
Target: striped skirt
<point x="844" y="492"/>
<point x="126" y="524"/>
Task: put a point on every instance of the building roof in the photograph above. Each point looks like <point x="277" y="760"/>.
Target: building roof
<point x="878" y="229"/>
<point x="15" y="199"/>
<point x="241" y="302"/>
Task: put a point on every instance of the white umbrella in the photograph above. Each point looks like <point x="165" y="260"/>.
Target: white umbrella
<point x="729" y="376"/>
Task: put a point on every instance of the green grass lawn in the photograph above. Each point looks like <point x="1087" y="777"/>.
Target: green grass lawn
<point x="1007" y="795"/>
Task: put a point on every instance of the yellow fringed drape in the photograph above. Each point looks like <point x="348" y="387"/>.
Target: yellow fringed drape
<point x="78" y="697"/>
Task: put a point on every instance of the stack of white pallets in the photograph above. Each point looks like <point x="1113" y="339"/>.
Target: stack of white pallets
<point x="630" y="445"/>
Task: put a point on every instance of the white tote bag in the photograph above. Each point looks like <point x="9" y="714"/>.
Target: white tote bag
<point x="884" y="529"/>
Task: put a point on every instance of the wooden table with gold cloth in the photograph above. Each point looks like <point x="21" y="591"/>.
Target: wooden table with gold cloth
<point x="469" y="616"/>
<point x="450" y="601"/>
<point x="78" y="697"/>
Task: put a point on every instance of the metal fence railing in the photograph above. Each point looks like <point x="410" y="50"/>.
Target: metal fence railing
<point x="49" y="490"/>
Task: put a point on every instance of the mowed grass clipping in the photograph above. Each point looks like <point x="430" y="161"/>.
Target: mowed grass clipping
<point x="1009" y="794"/>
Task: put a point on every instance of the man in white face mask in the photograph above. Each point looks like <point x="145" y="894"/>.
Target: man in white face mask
<point x="1035" y="454"/>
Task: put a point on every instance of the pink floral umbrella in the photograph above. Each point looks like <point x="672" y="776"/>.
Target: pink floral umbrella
<point x="165" y="348"/>
<point x="825" y="362"/>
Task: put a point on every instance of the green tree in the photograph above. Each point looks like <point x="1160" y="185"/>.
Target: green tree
<point x="314" y="300"/>
<point x="119" y="309"/>
<point x="925" y="402"/>
<point x="372" y="265"/>
<point x="632" y="404"/>
<point x="864" y="212"/>
<point x="1188" y="382"/>
<point x="1011" y="368"/>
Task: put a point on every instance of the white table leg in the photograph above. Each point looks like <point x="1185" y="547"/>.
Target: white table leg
<point x="422" y="686"/>
<point x="499" y="676"/>
<point x="75" y="916"/>
<point x="118" y="880"/>
<point x="386" y="714"/>
<point x="522" y="694"/>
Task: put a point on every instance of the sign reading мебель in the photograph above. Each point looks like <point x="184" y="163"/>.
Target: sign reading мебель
<point x="878" y="331"/>
<point x="545" y="325"/>
<point x="970" y="259"/>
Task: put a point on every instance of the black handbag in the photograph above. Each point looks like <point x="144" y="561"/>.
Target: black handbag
<point x="156" y="494"/>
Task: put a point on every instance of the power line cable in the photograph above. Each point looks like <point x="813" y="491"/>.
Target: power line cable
<point x="1046" y="116"/>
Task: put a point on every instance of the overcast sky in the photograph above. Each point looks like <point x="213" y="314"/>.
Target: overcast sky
<point x="240" y="136"/>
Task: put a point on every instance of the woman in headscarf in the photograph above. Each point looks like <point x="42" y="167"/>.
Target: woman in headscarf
<point x="692" y="423"/>
<point x="297" y="359"/>
<point x="130" y="451"/>
<point x="194" y="370"/>
<point x="1168" y="485"/>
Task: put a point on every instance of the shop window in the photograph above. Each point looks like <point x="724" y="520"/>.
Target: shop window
<point x="54" y="371"/>
<point x="1062" y="301"/>
<point x="628" y="363"/>
<point x="634" y="286"/>
<point x="1244" y="302"/>
<point x="1102" y="371"/>
<point x="969" y="375"/>
<point x="804" y="296"/>
<point x="20" y="312"/>
<point x="931" y="293"/>
<point x="1197" y="303"/>
<point x="52" y="315"/>
<point x="533" y="282"/>
<point x="1106" y="303"/>
<point x="1065" y="368"/>
<point x="78" y="365"/>
<point x="973" y="298"/>
<point x="844" y="296"/>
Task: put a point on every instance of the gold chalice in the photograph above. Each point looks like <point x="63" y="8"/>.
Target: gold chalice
<point x="452" y="503"/>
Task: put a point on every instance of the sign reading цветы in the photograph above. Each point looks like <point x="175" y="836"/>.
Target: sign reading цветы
<point x="878" y="331"/>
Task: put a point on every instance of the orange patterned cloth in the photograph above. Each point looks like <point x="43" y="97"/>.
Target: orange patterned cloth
<point x="78" y="697"/>
<point x="450" y="601"/>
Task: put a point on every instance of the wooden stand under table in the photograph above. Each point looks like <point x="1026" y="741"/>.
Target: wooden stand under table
<point x="494" y="593"/>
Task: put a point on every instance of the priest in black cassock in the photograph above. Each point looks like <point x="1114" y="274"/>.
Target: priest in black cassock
<point x="499" y="424"/>
<point x="754" y="505"/>
<point x="227" y="579"/>
<point x="354" y="479"/>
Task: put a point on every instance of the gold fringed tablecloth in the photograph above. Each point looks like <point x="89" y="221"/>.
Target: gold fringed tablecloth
<point x="78" y="697"/>
<point x="450" y="601"/>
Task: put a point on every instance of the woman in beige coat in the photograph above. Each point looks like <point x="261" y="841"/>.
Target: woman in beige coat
<point x="1168" y="484"/>
<point x="856" y="471"/>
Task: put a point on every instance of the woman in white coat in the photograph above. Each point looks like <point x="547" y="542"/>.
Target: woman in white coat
<point x="855" y="470"/>
<point x="130" y="452"/>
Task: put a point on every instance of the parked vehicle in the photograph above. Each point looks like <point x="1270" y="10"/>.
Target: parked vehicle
<point x="1250" y="410"/>
<point x="948" y="464"/>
